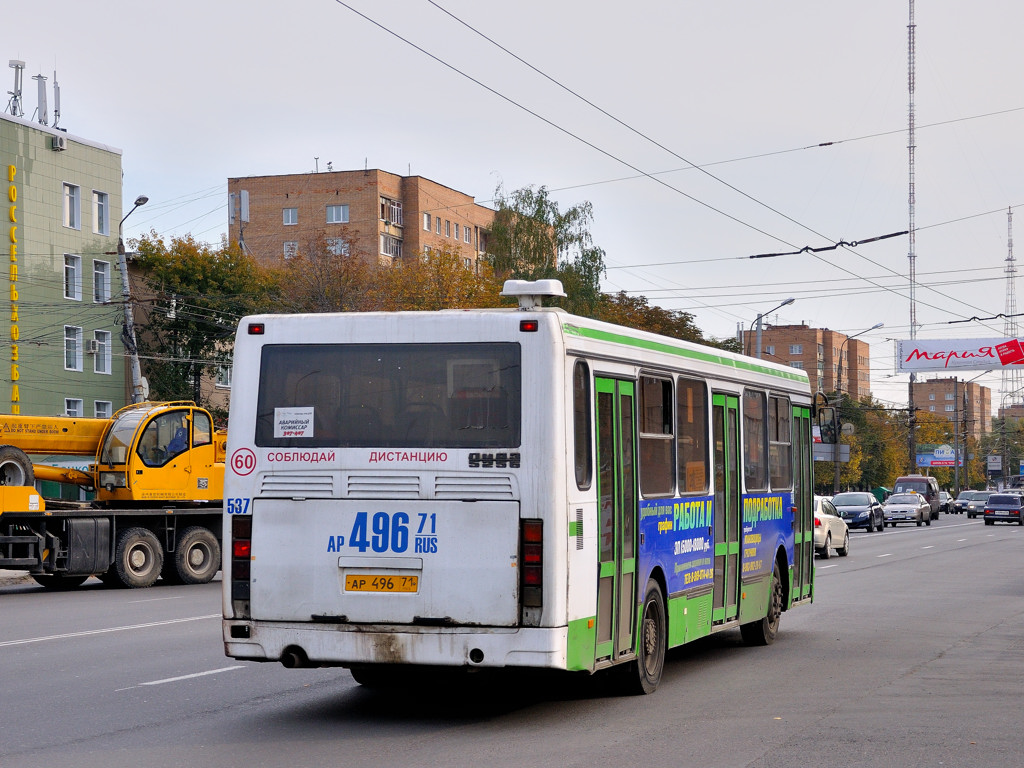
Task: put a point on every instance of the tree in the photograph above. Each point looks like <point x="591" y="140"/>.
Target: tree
<point x="437" y="280"/>
<point x="193" y="299"/>
<point x="635" y="312"/>
<point x="324" y="277"/>
<point x="531" y="239"/>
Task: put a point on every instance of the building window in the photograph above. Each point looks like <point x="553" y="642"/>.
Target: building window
<point x="426" y="222"/>
<point x="391" y="246"/>
<point x="101" y="282"/>
<point x="102" y="409"/>
<point x="447" y="228"/>
<point x="72" y="277"/>
<point x="100" y="213"/>
<point x="291" y="249"/>
<point x="796" y="349"/>
<point x="72" y="206"/>
<point x="72" y="348"/>
<point x="101" y="346"/>
<point x="949" y="395"/>
<point x="337" y="246"/>
<point x="931" y="407"/>
<point x="821" y="350"/>
<point x="950" y="408"/>
<point x="931" y="395"/>
<point x="456" y="230"/>
<point x="337" y="214"/>
<point x="290" y="216"/>
<point x="74" y="406"/>
<point x="391" y="210"/>
<point x="796" y="364"/>
<point x="769" y="349"/>
<point x="465" y="234"/>
<point x="224" y="376"/>
<point x="437" y="225"/>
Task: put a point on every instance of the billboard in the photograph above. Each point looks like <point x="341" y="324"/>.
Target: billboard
<point x="937" y="456"/>
<point x="958" y="354"/>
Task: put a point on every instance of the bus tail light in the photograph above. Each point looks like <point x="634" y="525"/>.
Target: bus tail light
<point x="241" y="556"/>
<point x="531" y="571"/>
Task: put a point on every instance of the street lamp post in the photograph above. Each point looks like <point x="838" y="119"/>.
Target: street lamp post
<point x="129" y="315"/>
<point x="839" y="398"/>
<point x="760" y="317"/>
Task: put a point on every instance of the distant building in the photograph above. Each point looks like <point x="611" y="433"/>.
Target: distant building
<point x="61" y="350"/>
<point x="375" y="215"/>
<point x="817" y="351"/>
<point x="968" y="402"/>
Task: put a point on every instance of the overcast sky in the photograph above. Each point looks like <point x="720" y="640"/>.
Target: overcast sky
<point x="196" y="92"/>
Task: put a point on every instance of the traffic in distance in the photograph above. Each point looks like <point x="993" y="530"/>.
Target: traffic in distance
<point x="915" y="499"/>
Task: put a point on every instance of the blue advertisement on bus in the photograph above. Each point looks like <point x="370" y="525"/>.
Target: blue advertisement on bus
<point x="678" y="534"/>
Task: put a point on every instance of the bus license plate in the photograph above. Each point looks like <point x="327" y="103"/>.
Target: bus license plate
<point x="361" y="582"/>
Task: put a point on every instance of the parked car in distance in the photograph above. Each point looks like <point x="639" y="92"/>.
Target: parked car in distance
<point x="860" y="509"/>
<point x="1003" y="507"/>
<point x="945" y="502"/>
<point x="976" y="505"/>
<point x="907" y="508"/>
<point x="830" y="530"/>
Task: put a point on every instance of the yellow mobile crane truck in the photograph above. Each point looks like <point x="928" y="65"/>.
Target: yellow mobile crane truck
<point x="158" y="483"/>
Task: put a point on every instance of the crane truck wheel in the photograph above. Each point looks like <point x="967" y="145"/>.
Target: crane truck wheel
<point x="196" y="557"/>
<point x="15" y="466"/>
<point x="138" y="557"/>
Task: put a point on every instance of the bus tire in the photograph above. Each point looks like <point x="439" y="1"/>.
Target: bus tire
<point x="378" y="675"/>
<point x="765" y="630"/>
<point x="15" y="467"/>
<point x="138" y="557"/>
<point x="196" y="556"/>
<point x="644" y="674"/>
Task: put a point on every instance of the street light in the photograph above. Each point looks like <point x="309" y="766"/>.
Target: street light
<point x="839" y="397"/>
<point x="129" y="317"/>
<point x="760" y="316"/>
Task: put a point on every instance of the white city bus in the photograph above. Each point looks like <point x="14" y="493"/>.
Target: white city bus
<point x="506" y="488"/>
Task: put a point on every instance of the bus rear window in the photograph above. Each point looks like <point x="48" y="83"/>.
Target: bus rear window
<point x="389" y="395"/>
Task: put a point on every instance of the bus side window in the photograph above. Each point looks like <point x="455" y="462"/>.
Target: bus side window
<point x="692" y="435"/>
<point x="755" y="440"/>
<point x="581" y="423"/>
<point x="657" y="466"/>
<point x="780" y="443"/>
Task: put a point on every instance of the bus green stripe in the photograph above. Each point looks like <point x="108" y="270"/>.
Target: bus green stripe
<point x="660" y="346"/>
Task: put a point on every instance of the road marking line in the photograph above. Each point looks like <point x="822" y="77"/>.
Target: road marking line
<point x="887" y="554"/>
<point x="195" y="674"/>
<point x="156" y="599"/>
<point x="930" y="546"/>
<point x="823" y="567"/>
<point x="86" y="633"/>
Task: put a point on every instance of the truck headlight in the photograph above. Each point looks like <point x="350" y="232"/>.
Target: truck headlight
<point x="111" y="480"/>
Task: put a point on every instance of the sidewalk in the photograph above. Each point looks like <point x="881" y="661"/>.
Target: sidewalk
<point x="13" y="577"/>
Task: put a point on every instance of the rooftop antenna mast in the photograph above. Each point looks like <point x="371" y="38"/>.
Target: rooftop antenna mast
<point x="42" y="111"/>
<point x="1011" y="382"/>
<point x="56" y="100"/>
<point x="911" y="229"/>
<point x="14" y="104"/>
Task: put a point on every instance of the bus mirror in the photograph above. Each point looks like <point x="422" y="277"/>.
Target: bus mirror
<point x="827" y="424"/>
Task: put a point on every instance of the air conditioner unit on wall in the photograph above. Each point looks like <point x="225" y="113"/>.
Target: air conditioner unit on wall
<point x="59" y="143"/>
<point x="92" y="346"/>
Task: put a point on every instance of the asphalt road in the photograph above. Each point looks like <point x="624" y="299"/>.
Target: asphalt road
<point x="910" y="656"/>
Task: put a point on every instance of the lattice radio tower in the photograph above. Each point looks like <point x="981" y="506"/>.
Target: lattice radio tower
<point x="911" y="251"/>
<point x="1011" y="383"/>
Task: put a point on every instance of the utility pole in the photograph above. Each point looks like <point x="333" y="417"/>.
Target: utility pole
<point x="912" y="250"/>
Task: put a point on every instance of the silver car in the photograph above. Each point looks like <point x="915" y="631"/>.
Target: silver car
<point x="829" y="530"/>
<point x="907" y="508"/>
<point x="976" y="505"/>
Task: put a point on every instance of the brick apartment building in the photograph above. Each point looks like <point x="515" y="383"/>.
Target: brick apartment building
<point x="953" y="398"/>
<point x="372" y="214"/>
<point x="816" y="351"/>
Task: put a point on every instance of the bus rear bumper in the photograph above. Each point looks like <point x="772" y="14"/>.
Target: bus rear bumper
<point x="345" y="645"/>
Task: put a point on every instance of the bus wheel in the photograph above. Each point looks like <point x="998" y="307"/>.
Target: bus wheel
<point x="764" y="631"/>
<point x="644" y="674"/>
<point x="196" y="556"/>
<point x="138" y="557"/>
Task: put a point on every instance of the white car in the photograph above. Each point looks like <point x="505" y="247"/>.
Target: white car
<point x="907" y="508"/>
<point x="830" y="530"/>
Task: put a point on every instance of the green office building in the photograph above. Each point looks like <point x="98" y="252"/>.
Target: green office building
<point x="61" y="311"/>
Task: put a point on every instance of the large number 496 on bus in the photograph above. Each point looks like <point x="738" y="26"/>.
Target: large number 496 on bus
<point x="507" y="488"/>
